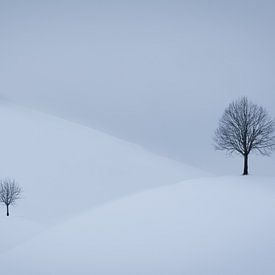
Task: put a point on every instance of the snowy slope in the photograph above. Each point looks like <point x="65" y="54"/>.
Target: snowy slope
<point x="202" y="226"/>
<point x="15" y="230"/>
<point x="65" y="168"/>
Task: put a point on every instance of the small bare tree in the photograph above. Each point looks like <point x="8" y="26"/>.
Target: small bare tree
<point x="10" y="192"/>
<point x="243" y="128"/>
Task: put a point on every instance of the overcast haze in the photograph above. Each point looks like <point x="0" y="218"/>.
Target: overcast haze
<point x="157" y="73"/>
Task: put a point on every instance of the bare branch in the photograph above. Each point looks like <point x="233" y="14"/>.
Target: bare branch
<point x="10" y="192"/>
<point x="245" y="127"/>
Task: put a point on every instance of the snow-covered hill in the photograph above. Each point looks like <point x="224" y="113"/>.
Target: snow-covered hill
<point x="65" y="168"/>
<point x="204" y="226"/>
<point x="95" y="204"/>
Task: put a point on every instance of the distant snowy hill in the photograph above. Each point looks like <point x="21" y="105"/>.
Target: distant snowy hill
<point x="213" y="226"/>
<point x="65" y="168"/>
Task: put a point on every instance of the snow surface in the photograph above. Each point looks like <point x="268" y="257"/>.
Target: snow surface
<point x="65" y="169"/>
<point x="203" y="226"/>
<point x="15" y="230"/>
<point x="95" y="204"/>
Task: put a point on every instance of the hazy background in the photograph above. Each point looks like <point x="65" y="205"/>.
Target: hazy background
<point x="157" y="73"/>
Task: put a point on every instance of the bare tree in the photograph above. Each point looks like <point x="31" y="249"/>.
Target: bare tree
<point x="10" y="192"/>
<point x="243" y="128"/>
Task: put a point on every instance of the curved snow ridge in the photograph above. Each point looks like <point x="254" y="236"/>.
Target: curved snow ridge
<point x="66" y="168"/>
<point x="206" y="226"/>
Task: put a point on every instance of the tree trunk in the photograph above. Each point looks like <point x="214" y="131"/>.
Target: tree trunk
<point x="245" y="169"/>
<point x="8" y="213"/>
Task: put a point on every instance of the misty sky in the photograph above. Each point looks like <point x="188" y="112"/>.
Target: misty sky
<point x="158" y="73"/>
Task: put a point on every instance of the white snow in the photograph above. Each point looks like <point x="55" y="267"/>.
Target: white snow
<point x="16" y="230"/>
<point x="203" y="226"/>
<point x="65" y="168"/>
<point x="95" y="204"/>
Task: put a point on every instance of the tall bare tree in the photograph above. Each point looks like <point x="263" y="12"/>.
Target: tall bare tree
<point x="10" y="192"/>
<point x="243" y="128"/>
